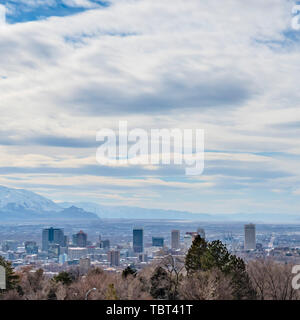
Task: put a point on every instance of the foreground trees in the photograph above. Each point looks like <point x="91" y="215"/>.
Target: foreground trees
<point x="12" y="279"/>
<point x="272" y="281"/>
<point x="208" y="256"/>
<point x="208" y="272"/>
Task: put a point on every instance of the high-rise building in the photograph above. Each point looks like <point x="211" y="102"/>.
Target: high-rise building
<point x="201" y="232"/>
<point x="250" y="237"/>
<point x="113" y="257"/>
<point x="31" y="247"/>
<point x="138" y="240"/>
<point x="66" y="241"/>
<point x="52" y="236"/>
<point x="175" y="239"/>
<point x="187" y="240"/>
<point x="105" y="244"/>
<point x="80" y="239"/>
<point x="157" y="242"/>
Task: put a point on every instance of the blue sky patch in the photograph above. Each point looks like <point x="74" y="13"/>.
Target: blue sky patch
<point x="24" y="11"/>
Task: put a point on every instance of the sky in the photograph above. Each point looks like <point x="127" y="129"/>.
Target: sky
<point x="69" y="68"/>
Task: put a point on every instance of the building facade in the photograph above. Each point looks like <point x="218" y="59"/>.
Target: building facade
<point x="113" y="257"/>
<point x="157" y="242"/>
<point x="80" y="239"/>
<point x="175" y="239"/>
<point x="52" y="236"/>
<point x="250" y="237"/>
<point x="138" y="240"/>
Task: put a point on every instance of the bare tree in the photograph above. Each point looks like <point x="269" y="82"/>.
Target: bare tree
<point x="272" y="280"/>
<point x="206" y="285"/>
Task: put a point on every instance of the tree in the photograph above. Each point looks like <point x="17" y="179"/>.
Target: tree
<point x="63" y="277"/>
<point x="111" y="293"/>
<point x="160" y="284"/>
<point x="272" y="280"/>
<point x="174" y="266"/>
<point x="129" y="271"/>
<point x="205" y="256"/>
<point x="193" y="259"/>
<point x="206" y="285"/>
<point x="12" y="279"/>
<point x="51" y="294"/>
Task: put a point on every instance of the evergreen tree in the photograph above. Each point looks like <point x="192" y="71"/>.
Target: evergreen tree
<point x="193" y="259"/>
<point x="160" y="284"/>
<point x="129" y="271"/>
<point x="12" y="279"/>
<point x="203" y="256"/>
<point x="63" y="277"/>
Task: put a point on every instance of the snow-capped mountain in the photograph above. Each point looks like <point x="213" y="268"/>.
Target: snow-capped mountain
<point x="23" y="205"/>
<point x="15" y="199"/>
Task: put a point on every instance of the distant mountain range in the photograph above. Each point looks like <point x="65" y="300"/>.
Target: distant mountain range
<point x="125" y="212"/>
<point x="23" y="205"/>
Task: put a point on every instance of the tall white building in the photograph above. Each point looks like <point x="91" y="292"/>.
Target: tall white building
<point x="175" y="239"/>
<point x="250" y="237"/>
<point x="187" y="240"/>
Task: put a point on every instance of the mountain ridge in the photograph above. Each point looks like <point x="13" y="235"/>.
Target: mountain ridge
<point x="21" y="204"/>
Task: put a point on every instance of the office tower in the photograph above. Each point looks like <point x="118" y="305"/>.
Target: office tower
<point x="138" y="240"/>
<point x="250" y="237"/>
<point x="31" y="247"/>
<point x="66" y="241"/>
<point x="113" y="257"/>
<point x="77" y="253"/>
<point x="157" y="242"/>
<point x="52" y="236"/>
<point x="175" y="239"/>
<point x="187" y="240"/>
<point x="105" y="244"/>
<point x="201" y="232"/>
<point x="80" y="239"/>
<point x="84" y="265"/>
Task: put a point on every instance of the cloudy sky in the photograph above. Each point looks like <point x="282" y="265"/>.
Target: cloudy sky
<point x="69" y="68"/>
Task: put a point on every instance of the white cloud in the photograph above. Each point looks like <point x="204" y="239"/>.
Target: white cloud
<point x="71" y="76"/>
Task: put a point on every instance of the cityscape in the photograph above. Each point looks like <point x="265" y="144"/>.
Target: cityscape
<point x="149" y="151"/>
<point x="120" y="245"/>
